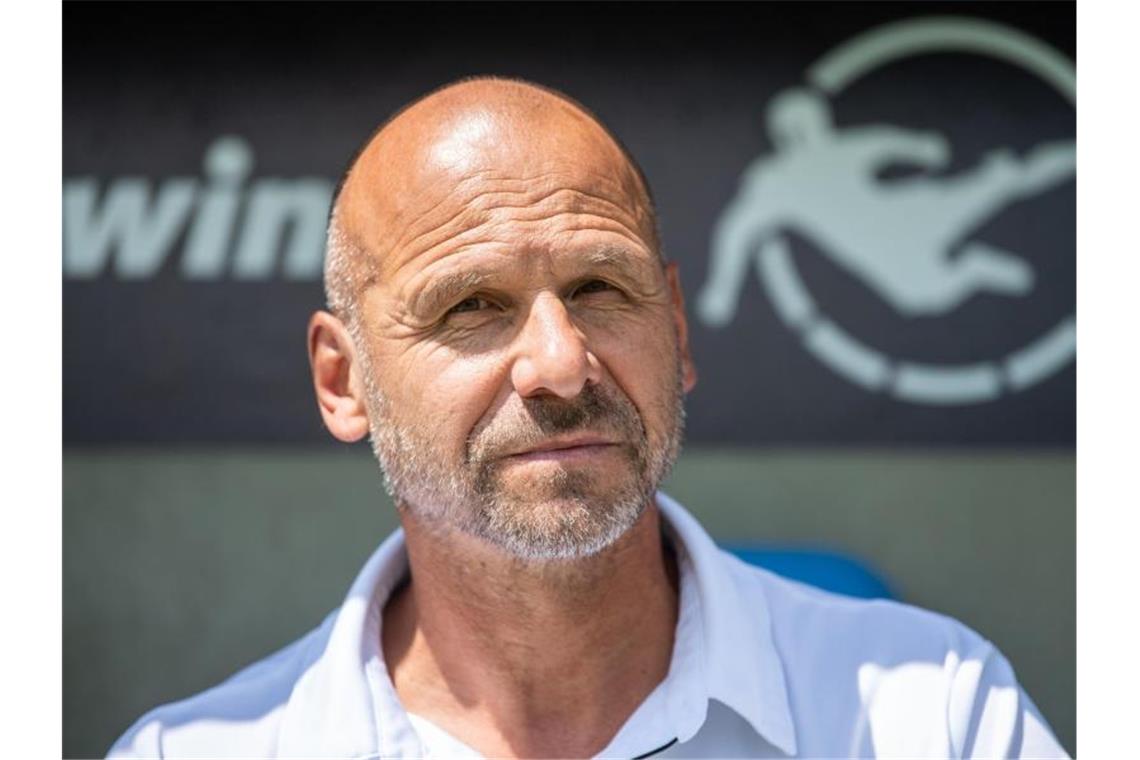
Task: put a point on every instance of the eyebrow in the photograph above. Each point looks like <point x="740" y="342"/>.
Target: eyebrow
<point x="620" y="259"/>
<point x="449" y="286"/>
<point x="608" y="256"/>
<point x="445" y="288"/>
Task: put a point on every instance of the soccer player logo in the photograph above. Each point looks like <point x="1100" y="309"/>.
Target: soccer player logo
<point x="910" y="241"/>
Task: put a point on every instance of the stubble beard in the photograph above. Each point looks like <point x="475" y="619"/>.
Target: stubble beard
<point x="563" y="515"/>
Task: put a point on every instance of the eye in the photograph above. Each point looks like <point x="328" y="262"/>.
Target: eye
<point x="473" y="303"/>
<point x="593" y="286"/>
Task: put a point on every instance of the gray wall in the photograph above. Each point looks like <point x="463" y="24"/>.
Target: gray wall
<point x="182" y="565"/>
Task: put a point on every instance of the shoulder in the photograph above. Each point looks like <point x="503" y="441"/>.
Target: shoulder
<point x="241" y="714"/>
<point x="898" y="675"/>
<point x="805" y="616"/>
<point x="822" y="635"/>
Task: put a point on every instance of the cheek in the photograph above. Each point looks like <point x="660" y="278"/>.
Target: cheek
<point x="443" y="396"/>
<point x="644" y="365"/>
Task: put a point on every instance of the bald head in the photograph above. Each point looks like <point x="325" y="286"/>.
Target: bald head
<point x="430" y="172"/>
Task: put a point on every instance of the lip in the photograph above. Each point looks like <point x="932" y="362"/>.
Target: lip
<point x="563" y="449"/>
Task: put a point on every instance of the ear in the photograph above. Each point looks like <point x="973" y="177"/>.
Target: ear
<point x="340" y="394"/>
<point x="688" y="369"/>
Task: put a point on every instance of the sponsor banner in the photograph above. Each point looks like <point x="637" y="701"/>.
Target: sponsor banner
<point x="872" y="205"/>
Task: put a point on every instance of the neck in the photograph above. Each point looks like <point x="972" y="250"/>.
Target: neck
<point x="531" y="659"/>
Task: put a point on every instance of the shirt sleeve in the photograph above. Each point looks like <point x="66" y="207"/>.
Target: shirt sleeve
<point x="992" y="716"/>
<point x="142" y="740"/>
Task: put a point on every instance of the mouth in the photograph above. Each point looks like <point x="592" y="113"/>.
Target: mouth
<point x="566" y="449"/>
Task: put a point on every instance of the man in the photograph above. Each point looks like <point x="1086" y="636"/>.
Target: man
<point x="504" y="328"/>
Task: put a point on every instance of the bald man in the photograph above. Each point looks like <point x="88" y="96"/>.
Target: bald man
<point x="503" y="327"/>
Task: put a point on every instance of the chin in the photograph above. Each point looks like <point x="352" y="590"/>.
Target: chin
<point x="562" y="523"/>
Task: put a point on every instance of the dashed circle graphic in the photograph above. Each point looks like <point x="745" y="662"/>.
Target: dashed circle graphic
<point x="923" y="383"/>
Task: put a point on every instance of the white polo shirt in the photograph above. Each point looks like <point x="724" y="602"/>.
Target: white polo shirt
<point x="761" y="667"/>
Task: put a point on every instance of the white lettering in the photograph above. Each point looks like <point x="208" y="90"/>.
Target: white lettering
<point x="276" y="205"/>
<point x="284" y="221"/>
<point x="227" y="164"/>
<point x="140" y="232"/>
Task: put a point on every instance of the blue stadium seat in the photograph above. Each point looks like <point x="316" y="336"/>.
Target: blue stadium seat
<point x="827" y="570"/>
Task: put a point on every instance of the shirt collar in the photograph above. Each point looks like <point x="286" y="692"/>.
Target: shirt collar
<point x="741" y="665"/>
<point x="344" y="705"/>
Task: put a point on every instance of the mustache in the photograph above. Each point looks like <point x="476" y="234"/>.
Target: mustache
<point x="594" y="410"/>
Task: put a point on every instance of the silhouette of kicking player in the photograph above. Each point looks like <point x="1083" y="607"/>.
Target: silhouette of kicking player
<point x="896" y="236"/>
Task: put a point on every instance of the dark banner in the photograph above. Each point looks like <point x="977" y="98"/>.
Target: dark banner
<point x="872" y="205"/>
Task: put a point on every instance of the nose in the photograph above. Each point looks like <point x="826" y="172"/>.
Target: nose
<point x="551" y="353"/>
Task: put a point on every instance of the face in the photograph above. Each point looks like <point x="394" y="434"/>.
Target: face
<point x="523" y="357"/>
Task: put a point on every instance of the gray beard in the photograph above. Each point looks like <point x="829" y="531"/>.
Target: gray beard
<point x="564" y="516"/>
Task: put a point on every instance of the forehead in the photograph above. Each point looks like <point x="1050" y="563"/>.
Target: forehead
<point x="520" y="217"/>
<point x="530" y="180"/>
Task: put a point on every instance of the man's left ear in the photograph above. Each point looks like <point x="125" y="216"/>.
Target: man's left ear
<point x="688" y="369"/>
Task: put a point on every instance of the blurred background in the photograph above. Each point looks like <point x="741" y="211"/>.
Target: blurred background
<point x="873" y="211"/>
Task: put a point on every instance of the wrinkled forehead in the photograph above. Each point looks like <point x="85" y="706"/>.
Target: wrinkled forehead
<point x="437" y="160"/>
